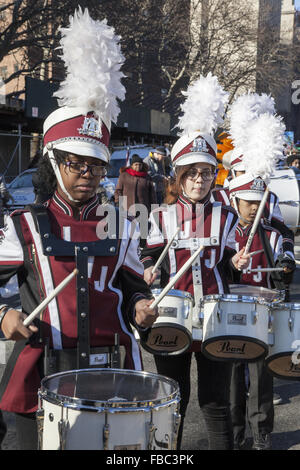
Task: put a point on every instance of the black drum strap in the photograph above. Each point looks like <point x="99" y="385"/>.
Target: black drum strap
<point x="276" y="278"/>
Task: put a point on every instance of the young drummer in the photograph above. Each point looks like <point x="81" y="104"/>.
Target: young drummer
<point x="246" y="193"/>
<point x="201" y="223"/>
<point x="86" y="324"/>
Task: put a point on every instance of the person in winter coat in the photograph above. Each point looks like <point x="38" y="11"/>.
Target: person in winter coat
<point x="135" y="186"/>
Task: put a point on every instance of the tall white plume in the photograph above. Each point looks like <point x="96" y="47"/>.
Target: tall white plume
<point x="204" y="107"/>
<point x="93" y="58"/>
<point x="243" y="111"/>
<point x="264" y="145"/>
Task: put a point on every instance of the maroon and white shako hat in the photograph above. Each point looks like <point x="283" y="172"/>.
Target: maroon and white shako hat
<point x="76" y="131"/>
<point x="203" y="112"/>
<point x="247" y="187"/>
<point x="194" y="148"/>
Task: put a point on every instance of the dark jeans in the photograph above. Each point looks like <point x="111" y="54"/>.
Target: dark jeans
<point x="3" y="428"/>
<point x="26" y="427"/>
<point x="258" y="408"/>
<point x="213" y="380"/>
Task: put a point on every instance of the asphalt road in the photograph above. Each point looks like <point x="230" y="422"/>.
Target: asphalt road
<point x="286" y="433"/>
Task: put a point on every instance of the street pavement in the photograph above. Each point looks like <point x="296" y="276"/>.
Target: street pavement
<point x="286" y="433"/>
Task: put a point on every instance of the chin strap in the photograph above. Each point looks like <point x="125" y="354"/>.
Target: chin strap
<point x="57" y="173"/>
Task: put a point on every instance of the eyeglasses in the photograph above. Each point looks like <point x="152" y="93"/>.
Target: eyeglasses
<point x="193" y="174"/>
<point x="81" y="168"/>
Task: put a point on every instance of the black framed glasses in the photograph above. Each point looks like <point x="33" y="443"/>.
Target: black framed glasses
<point x="193" y="174"/>
<point x="81" y="168"/>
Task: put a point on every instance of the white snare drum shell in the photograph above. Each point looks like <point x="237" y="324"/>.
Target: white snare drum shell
<point x="283" y="359"/>
<point x="130" y="426"/>
<point x="235" y="328"/>
<point x="171" y="334"/>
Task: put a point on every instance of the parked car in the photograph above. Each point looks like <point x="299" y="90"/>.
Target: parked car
<point x="21" y="190"/>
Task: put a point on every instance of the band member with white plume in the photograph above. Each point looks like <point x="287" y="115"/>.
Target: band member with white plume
<point x="209" y="224"/>
<point x="259" y="146"/>
<point x="90" y="322"/>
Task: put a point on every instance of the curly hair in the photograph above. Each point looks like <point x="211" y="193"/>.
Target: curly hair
<point x="46" y="181"/>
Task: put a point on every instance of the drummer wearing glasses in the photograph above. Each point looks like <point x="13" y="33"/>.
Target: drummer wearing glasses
<point x="202" y="223"/>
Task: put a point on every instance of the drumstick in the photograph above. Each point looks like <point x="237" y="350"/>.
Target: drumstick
<point x="48" y="299"/>
<point x="255" y="252"/>
<point x="165" y="251"/>
<point x="297" y="261"/>
<point x="264" y="270"/>
<point x="174" y="279"/>
<point x="256" y="220"/>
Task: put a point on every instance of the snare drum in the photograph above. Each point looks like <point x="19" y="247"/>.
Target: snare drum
<point x="235" y="327"/>
<point x="108" y="409"/>
<point x="283" y="360"/>
<point x="171" y="333"/>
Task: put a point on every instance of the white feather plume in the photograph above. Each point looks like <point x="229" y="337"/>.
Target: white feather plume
<point x="93" y="59"/>
<point x="204" y="107"/>
<point x="264" y="145"/>
<point x="243" y="111"/>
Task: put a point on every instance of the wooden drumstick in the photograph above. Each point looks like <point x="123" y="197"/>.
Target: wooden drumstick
<point x="165" y="251"/>
<point x="48" y="299"/>
<point x="177" y="276"/>
<point x="256" y="221"/>
<point x="253" y="253"/>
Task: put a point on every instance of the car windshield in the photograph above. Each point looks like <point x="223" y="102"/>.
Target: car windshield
<point x="114" y="168"/>
<point x="22" y="181"/>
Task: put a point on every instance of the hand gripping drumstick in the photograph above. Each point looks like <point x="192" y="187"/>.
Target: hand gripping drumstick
<point x="164" y="252"/>
<point x="173" y="281"/>
<point x="48" y="299"/>
<point x="256" y="220"/>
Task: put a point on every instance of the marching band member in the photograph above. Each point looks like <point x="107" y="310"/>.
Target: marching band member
<point x="244" y="111"/>
<point x="43" y="244"/>
<point x="202" y="223"/>
<point x="246" y="191"/>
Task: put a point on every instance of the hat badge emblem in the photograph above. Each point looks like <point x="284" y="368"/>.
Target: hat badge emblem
<point x="199" y="145"/>
<point x="258" y="185"/>
<point x="90" y="127"/>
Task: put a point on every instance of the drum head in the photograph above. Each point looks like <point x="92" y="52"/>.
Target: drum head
<point x="267" y="295"/>
<point x="281" y="366"/>
<point x="167" y="339"/>
<point x="234" y="348"/>
<point x="108" y="388"/>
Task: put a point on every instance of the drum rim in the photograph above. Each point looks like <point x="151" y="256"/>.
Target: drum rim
<point x="280" y="293"/>
<point x="236" y="298"/>
<point x="176" y="293"/>
<point x="96" y="405"/>
<point x="286" y="306"/>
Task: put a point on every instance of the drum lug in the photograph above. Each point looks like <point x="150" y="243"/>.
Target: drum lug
<point x="271" y="339"/>
<point x="177" y="419"/>
<point x="106" y="432"/>
<point x="219" y="315"/>
<point x="62" y="431"/>
<point x="291" y="323"/>
<point x="40" y="427"/>
<point x="254" y="317"/>
<point x="201" y="319"/>
<point x="151" y="432"/>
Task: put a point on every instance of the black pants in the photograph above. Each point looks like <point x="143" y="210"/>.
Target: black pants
<point x="213" y="394"/>
<point x="26" y="428"/>
<point x="3" y="428"/>
<point x="258" y="408"/>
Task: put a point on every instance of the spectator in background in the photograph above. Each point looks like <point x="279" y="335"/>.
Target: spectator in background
<point x="160" y="170"/>
<point x="294" y="161"/>
<point x="136" y="185"/>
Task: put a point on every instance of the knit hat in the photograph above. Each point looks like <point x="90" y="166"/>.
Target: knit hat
<point x="136" y="159"/>
<point x="203" y="112"/>
<point x="160" y="150"/>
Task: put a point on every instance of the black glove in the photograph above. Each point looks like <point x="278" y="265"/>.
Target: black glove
<point x="284" y="261"/>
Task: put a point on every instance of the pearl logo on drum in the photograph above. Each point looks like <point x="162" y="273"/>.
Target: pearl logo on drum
<point x="226" y="347"/>
<point x="158" y="340"/>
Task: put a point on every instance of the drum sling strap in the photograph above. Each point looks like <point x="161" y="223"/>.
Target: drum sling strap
<point x="81" y="251"/>
<point x="270" y="258"/>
